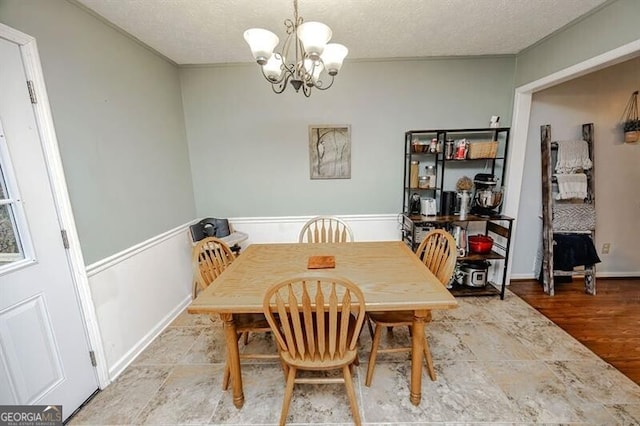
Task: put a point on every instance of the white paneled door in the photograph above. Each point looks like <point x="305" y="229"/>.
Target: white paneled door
<point x="44" y="346"/>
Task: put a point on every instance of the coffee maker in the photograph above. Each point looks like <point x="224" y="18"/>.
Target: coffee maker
<point x="414" y="204"/>
<point x="487" y="197"/>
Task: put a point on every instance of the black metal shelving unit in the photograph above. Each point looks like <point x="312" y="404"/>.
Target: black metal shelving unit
<point x="448" y="171"/>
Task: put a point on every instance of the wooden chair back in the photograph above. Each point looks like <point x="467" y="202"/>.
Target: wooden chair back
<point x="326" y="229"/>
<point x="314" y="317"/>
<point x="438" y="252"/>
<point x="211" y="256"/>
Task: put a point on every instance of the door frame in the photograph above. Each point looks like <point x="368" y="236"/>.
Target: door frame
<point x="46" y="130"/>
<point x="522" y="114"/>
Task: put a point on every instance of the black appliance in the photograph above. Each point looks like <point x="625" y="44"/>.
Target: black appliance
<point x="414" y="204"/>
<point x="487" y="197"/>
<point x="448" y="203"/>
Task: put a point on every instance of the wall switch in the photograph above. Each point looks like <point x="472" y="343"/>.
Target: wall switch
<point x="605" y="248"/>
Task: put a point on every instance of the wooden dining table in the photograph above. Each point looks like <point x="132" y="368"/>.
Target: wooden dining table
<point x="390" y="275"/>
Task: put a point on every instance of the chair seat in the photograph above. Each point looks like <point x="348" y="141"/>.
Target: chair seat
<point x="392" y="318"/>
<point x="251" y="322"/>
<point x="317" y="365"/>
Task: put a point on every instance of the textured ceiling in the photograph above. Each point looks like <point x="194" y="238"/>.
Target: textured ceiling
<point x="211" y="31"/>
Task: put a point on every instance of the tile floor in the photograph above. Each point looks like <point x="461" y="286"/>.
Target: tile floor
<point x="498" y="362"/>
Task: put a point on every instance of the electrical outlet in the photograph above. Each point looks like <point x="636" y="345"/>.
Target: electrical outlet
<point x="606" y="247"/>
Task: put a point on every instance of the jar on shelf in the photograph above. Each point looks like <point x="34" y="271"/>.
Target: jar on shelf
<point x="449" y="149"/>
<point x="430" y="173"/>
<point x="423" y="182"/>
<point x="433" y="146"/>
<point x="413" y="175"/>
<point x="461" y="149"/>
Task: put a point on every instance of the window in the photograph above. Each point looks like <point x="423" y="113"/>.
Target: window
<point x="13" y="230"/>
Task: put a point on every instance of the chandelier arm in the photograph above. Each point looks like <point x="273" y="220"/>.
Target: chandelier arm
<point x="321" y="87"/>
<point x="306" y="90"/>
<point x="281" y="85"/>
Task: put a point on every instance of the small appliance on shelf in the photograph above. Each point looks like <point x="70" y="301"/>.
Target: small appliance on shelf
<point x="487" y="198"/>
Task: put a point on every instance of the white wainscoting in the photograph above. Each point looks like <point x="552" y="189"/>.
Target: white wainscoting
<point x="385" y="227"/>
<point x="139" y="291"/>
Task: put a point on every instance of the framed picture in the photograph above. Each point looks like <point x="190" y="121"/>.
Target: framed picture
<point x="330" y="151"/>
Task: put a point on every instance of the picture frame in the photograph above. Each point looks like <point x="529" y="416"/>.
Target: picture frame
<point x="330" y="151"/>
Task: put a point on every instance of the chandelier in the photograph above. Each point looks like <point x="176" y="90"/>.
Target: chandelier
<point x="314" y="59"/>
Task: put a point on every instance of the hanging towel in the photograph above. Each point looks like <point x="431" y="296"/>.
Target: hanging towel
<point x="573" y="250"/>
<point x="571" y="186"/>
<point x="573" y="156"/>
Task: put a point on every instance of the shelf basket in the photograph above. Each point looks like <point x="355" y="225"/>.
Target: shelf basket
<point x="482" y="150"/>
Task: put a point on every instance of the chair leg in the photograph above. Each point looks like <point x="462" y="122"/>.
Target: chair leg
<point x="351" y="393"/>
<point x="194" y="291"/>
<point x="287" y="395"/>
<point x="285" y="369"/>
<point x="429" y="360"/>
<point x="368" y="320"/>
<point x="374" y="354"/>
<point x="245" y="335"/>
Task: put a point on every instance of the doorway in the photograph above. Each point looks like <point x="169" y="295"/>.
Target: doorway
<point x="522" y="115"/>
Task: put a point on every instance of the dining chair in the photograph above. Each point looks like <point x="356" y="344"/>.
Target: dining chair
<point x="438" y="252"/>
<point x="211" y="256"/>
<point x="326" y="229"/>
<point x="316" y="320"/>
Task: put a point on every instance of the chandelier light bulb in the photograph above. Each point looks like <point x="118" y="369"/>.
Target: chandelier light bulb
<point x="262" y="42"/>
<point x="273" y="68"/>
<point x="333" y="56"/>
<point x="314" y="37"/>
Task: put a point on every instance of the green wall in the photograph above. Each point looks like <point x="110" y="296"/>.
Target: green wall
<point x="118" y="115"/>
<point x="249" y="146"/>
<point x="614" y="25"/>
<point x="129" y="148"/>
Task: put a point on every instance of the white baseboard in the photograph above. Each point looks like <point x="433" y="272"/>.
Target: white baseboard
<point x="120" y="365"/>
<point x="629" y="274"/>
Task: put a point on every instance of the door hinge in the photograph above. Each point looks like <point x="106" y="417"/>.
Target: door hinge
<point x="32" y="92"/>
<point x="65" y="239"/>
<point x="92" y="355"/>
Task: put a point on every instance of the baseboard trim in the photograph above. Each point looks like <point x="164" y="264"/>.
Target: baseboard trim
<point x="119" y="366"/>
<point x="615" y="275"/>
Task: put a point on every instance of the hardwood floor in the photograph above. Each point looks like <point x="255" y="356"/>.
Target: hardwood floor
<point x="607" y="323"/>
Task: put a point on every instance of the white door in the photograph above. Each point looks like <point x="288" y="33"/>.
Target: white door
<point x="44" y="347"/>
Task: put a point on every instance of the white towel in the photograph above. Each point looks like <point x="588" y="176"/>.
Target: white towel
<point x="571" y="186"/>
<point x="573" y="156"/>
